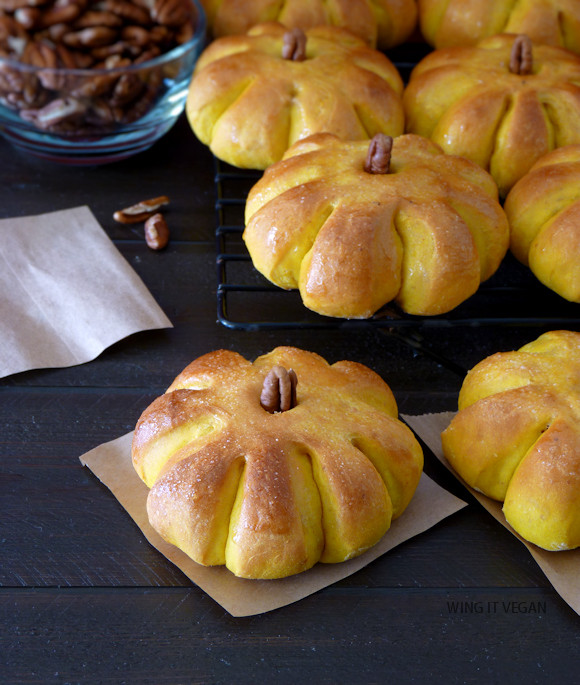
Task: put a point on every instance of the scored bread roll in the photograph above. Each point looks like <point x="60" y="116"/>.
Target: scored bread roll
<point x="445" y="23"/>
<point x="269" y="467"/>
<point x="380" y="23"/>
<point x="254" y="95"/>
<point x="502" y="103"/>
<point x="516" y="437"/>
<point x="424" y="229"/>
<point x="543" y="210"/>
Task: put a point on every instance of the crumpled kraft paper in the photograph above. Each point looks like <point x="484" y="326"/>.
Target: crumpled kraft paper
<point x="562" y="569"/>
<point x="66" y="292"/>
<point x="111" y="463"/>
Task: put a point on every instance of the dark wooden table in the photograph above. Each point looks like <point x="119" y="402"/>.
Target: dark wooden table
<point x="85" y="598"/>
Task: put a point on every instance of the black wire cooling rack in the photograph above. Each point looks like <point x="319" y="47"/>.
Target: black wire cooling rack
<point x="512" y="297"/>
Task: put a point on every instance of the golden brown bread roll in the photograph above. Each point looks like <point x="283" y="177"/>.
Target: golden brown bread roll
<point x="516" y="437"/>
<point x="382" y="23"/>
<point x="543" y="211"/>
<point x="502" y="103"/>
<point x="424" y="233"/>
<point x="270" y="494"/>
<point x="252" y="96"/>
<point x="445" y="23"/>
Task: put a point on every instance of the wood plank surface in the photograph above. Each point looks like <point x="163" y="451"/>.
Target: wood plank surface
<point x="436" y="635"/>
<point x="85" y="598"/>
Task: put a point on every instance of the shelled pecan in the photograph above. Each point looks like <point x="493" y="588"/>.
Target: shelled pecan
<point x="173" y="13"/>
<point x="55" y="114"/>
<point x="141" y="211"/>
<point x="156" y="232"/>
<point x="279" y="390"/>
<point x="13" y="5"/>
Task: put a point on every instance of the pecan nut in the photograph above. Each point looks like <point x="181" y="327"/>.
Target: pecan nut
<point x="39" y="54"/>
<point x="28" y="17"/>
<point x="59" y="14"/>
<point x="98" y="18"/>
<point x="294" y="45"/>
<point x="136" y="35"/>
<point x="13" y="5"/>
<point x="91" y="37"/>
<point x="57" y="112"/>
<point x="521" y="58"/>
<point x="140" y="211"/>
<point x="127" y="10"/>
<point x="156" y="232"/>
<point x="171" y="12"/>
<point x="378" y="159"/>
<point x="126" y="90"/>
<point x="279" y="390"/>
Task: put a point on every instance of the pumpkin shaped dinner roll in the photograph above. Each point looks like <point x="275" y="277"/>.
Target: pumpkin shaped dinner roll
<point x="252" y="96"/>
<point x="516" y="437"/>
<point x="502" y="103"/>
<point x="354" y="225"/>
<point x="382" y="23"/>
<point x="269" y="467"/>
<point x="445" y="23"/>
<point x="543" y="211"/>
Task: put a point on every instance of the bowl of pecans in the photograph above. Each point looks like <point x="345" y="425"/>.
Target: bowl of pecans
<point x="95" y="81"/>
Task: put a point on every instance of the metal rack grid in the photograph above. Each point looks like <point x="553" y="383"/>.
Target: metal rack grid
<point x="512" y="297"/>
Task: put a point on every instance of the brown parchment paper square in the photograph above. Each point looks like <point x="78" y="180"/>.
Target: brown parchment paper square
<point x="66" y="292"/>
<point x="111" y="463"/>
<point x="561" y="568"/>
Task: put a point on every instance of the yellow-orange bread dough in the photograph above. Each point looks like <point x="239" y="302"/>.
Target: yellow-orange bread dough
<point x="543" y="211"/>
<point x="424" y="234"/>
<point x="249" y="103"/>
<point x="271" y="494"/>
<point x="471" y="102"/>
<point x="516" y="437"/>
<point x="445" y="23"/>
<point x="382" y="23"/>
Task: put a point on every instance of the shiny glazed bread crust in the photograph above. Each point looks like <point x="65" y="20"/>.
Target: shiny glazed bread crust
<point x="468" y="101"/>
<point x="269" y="495"/>
<point x="516" y="437"/>
<point x="249" y="104"/>
<point x="425" y="234"/>
<point x="446" y="23"/>
<point x="543" y="211"/>
<point x="380" y="23"/>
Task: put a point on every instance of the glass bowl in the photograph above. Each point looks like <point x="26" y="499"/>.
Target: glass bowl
<point x="130" y="94"/>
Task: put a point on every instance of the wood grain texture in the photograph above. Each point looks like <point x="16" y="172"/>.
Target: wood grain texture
<point x="84" y="598"/>
<point x="127" y="633"/>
